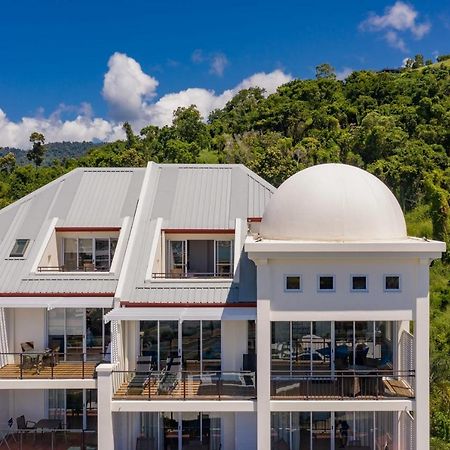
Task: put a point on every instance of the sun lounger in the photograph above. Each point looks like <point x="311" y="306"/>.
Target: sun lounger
<point x="170" y="376"/>
<point x="142" y="376"/>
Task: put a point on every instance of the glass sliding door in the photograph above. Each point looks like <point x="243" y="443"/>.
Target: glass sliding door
<point x="281" y="347"/>
<point x="343" y="351"/>
<point x="74" y="409"/>
<point x="149" y="340"/>
<point x="301" y="346"/>
<point x="57" y="330"/>
<point x="94" y="333"/>
<point x="102" y="254"/>
<point x="70" y="256"/>
<point x="191" y="345"/>
<point x="85" y="254"/>
<point x="211" y="345"/>
<point x="384" y="344"/>
<point x="224" y="258"/>
<point x="321" y="347"/>
<point x="177" y="261"/>
<point x="74" y="333"/>
<point x="168" y="341"/>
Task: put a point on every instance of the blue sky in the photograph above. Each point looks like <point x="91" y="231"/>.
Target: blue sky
<point x="55" y="53"/>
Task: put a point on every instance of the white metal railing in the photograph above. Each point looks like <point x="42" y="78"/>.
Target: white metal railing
<point x="407" y="356"/>
<point x="4" y="348"/>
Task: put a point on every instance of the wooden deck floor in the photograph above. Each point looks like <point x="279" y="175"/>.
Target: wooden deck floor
<point x="64" y="369"/>
<point x="189" y="390"/>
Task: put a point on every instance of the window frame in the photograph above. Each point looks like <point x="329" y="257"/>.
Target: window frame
<point x="385" y="276"/>
<point x="297" y="275"/>
<point x="356" y="275"/>
<point x="16" y="254"/>
<point x="319" y="276"/>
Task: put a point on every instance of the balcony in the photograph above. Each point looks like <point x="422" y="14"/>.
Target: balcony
<point x="343" y="385"/>
<point x="50" y="365"/>
<point x="185" y="385"/>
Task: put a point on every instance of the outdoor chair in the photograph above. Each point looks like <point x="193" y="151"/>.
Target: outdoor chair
<point x="170" y="376"/>
<point x="27" y="346"/>
<point x="24" y="426"/>
<point x="142" y="377"/>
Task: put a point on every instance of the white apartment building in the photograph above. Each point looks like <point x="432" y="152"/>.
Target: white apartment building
<point x="198" y="307"/>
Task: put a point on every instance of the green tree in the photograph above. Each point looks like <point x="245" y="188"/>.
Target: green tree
<point x="325" y="71"/>
<point x="36" y="154"/>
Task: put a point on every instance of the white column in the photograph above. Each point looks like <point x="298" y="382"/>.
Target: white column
<point x="422" y="357"/>
<point x="263" y="356"/>
<point x="105" y="435"/>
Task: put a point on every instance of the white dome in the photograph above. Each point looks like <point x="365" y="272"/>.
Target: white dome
<point x="333" y="202"/>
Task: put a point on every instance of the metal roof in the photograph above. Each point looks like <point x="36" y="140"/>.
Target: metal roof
<point x="177" y="196"/>
<point x="206" y="197"/>
<point x="84" y="197"/>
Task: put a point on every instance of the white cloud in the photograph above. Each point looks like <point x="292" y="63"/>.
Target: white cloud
<point x="344" y="73"/>
<point x="81" y="128"/>
<point x="128" y="92"/>
<point x="218" y="64"/>
<point x="216" y="61"/>
<point x="398" y="18"/>
<point x="127" y="88"/>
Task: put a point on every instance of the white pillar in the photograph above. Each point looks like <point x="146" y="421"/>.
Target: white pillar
<point x="105" y="435"/>
<point x="422" y="357"/>
<point x="263" y="356"/>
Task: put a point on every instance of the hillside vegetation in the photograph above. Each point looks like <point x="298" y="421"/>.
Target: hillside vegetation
<point x="395" y="124"/>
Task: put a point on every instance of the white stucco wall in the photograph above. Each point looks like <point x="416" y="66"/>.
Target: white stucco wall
<point x="29" y="324"/>
<point x="245" y="430"/>
<point x="32" y="403"/>
<point x="342" y="299"/>
<point x="234" y="344"/>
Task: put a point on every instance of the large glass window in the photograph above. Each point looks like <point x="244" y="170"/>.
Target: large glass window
<point x="199" y="258"/>
<point x="168" y="341"/>
<point x="78" y="331"/>
<point x="224" y="258"/>
<point x="297" y="347"/>
<point x="366" y="430"/>
<point x="211" y="345"/>
<point x="88" y="254"/>
<point x="191" y="345"/>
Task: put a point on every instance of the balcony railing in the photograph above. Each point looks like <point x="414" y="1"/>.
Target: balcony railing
<point x="50" y="439"/>
<point x="51" y="365"/>
<point x="185" y="385"/>
<point x="85" y="268"/>
<point x="179" y="275"/>
<point x="343" y="385"/>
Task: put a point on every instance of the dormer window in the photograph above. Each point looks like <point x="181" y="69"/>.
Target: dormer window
<point x="198" y="258"/>
<point x="88" y="254"/>
<point x="79" y="250"/>
<point x="19" y="249"/>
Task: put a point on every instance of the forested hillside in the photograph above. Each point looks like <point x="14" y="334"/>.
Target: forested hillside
<point x="395" y="124"/>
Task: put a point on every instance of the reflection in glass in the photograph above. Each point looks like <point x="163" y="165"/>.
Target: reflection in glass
<point x="281" y="347"/>
<point x="301" y="346"/>
<point x="224" y="258"/>
<point x="168" y="341"/>
<point x="344" y="345"/>
<point x="74" y="409"/>
<point x="94" y="332"/>
<point x="102" y="254"/>
<point x="177" y="257"/>
<point x="85" y="255"/>
<point x="74" y="333"/>
<point x="191" y="345"/>
<point x="383" y="340"/>
<point x="211" y="344"/>
<point x="321" y="346"/>
<point x="149" y="339"/>
<point x="70" y="254"/>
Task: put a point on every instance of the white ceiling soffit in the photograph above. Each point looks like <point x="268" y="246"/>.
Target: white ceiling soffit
<point x="197" y="313"/>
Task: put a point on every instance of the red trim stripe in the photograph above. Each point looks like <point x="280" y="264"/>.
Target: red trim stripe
<point x="197" y="231"/>
<point x="56" y="294"/>
<point x="129" y="304"/>
<point x="85" y="229"/>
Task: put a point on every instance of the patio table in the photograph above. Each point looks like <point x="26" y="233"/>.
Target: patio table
<point x="49" y="425"/>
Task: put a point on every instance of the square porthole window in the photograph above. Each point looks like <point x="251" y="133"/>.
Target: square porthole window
<point x="326" y="283"/>
<point x="292" y="283"/>
<point x="392" y="283"/>
<point x="359" y="283"/>
<point x="19" y="249"/>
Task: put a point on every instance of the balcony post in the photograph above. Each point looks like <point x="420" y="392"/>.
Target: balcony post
<point x="104" y="392"/>
<point x="263" y="374"/>
<point x="421" y="316"/>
